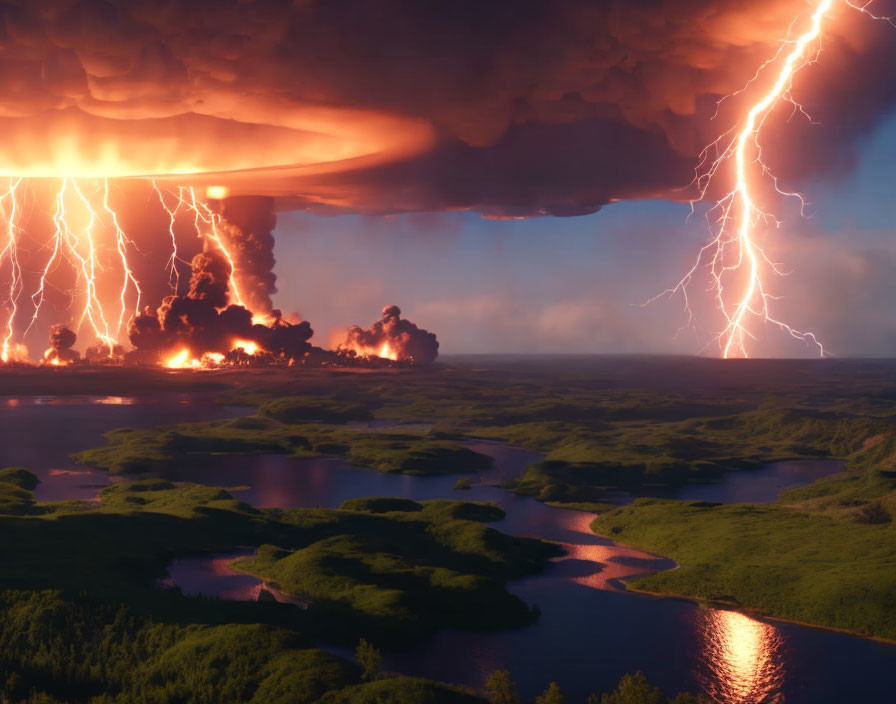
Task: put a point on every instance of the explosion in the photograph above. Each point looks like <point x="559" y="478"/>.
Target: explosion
<point x="219" y="315"/>
<point x="391" y="337"/>
<point x="733" y="256"/>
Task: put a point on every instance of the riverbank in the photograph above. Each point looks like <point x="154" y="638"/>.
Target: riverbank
<point x="811" y="568"/>
<point x="755" y="613"/>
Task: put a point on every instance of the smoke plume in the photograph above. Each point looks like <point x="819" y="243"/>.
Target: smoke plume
<point x="202" y="321"/>
<point x="61" y="341"/>
<point x="249" y="222"/>
<point x="391" y="337"/>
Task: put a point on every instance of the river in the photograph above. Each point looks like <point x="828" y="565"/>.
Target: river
<point x="591" y="631"/>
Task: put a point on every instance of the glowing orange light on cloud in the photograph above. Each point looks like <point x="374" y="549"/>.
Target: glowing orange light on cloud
<point x="734" y="251"/>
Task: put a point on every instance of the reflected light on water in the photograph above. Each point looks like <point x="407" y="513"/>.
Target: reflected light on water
<point x="597" y="562"/>
<point x="116" y="401"/>
<point x="741" y="658"/>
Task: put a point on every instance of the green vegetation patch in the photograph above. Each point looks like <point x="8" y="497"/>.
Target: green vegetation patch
<point x="414" y="567"/>
<point x="581" y="466"/>
<point x="401" y="690"/>
<point x="790" y="563"/>
<point x="303" y="409"/>
<point x="151" y="451"/>
<point x="20" y="477"/>
<point x="388" y="568"/>
<point x="108" y="654"/>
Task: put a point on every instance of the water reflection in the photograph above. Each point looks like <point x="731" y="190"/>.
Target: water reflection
<point x="213" y="576"/>
<point x="741" y="657"/>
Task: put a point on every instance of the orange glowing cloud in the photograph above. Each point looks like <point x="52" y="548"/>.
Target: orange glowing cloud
<point x="552" y="108"/>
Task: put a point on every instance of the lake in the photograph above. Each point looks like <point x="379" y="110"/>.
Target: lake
<point x="591" y="631"/>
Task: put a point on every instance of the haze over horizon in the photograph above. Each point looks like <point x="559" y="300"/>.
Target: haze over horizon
<point x="576" y="284"/>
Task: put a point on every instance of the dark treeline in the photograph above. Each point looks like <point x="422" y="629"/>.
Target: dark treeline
<point x="632" y="689"/>
<point x="61" y="651"/>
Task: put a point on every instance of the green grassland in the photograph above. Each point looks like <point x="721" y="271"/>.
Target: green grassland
<point x="151" y="451"/>
<point x="392" y="570"/>
<point x="793" y="564"/>
<point x="81" y="619"/>
<point x="408" y="566"/>
<point x="823" y="554"/>
<point x="392" y="574"/>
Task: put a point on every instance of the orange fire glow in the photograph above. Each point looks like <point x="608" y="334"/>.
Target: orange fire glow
<point x="183" y="359"/>
<point x="734" y="252"/>
<point x="180" y="360"/>
<point x="384" y="351"/>
<point x="262" y="142"/>
<point x="89" y="241"/>
<point x="248" y="346"/>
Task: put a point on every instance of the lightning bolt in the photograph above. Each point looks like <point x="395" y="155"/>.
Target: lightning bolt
<point x="206" y="225"/>
<point x="122" y="243"/>
<point x="10" y="253"/>
<point x="78" y="246"/>
<point x="733" y="252"/>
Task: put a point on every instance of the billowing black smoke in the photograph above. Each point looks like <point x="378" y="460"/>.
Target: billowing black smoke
<point x="248" y="225"/>
<point x="202" y="321"/>
<point x="391" y="337"/>
<point x="60" y="350"/>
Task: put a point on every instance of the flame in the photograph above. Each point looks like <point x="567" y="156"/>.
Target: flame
<point x="263" y="319"/>
<point x="51" y="358"/>
<point x="89" y="241"/>
<point x="734" y="251"/>
<point x="248" y="346"/>
<point x="14" y="353"/>
<point x="184" y="360"/>
<point x="386" y="352"/>
<point x="180" y="360"/>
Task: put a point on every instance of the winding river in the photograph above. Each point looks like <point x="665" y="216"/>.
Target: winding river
<point x="591" y="631"/>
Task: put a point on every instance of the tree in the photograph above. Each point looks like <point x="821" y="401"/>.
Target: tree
<point x="552" y="695"/>
<point x="370" y="659"/>
<point x="634" y="689"/>
<point x="501" y="688"/>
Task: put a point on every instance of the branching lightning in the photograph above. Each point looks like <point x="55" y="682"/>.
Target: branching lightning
<point x="9" y="204"/>
<point x="736" y="218"/>
<point x="84" y="222"/>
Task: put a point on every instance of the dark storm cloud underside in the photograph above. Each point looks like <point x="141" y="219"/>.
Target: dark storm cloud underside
<point x="540" y="107"/>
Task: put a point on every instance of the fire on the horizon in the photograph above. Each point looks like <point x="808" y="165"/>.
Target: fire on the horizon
<point x="220" y="315"/>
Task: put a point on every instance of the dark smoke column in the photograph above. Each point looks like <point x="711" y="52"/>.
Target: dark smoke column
<point x="249" y="223"/>
<point x="393" y="337"/>
<point x="60" y="350"/>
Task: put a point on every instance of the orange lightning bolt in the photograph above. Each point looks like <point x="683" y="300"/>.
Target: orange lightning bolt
<point x="206" y="223"/>
<point x="734" y="251"/>
<point x="204" y="214"/>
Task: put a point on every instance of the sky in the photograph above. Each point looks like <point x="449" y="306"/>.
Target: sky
<point x="579" y="284"/>
<point x="513" y="174"/>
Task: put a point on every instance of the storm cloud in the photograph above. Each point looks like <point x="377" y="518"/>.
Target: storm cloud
<point x="511" y="108"/>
